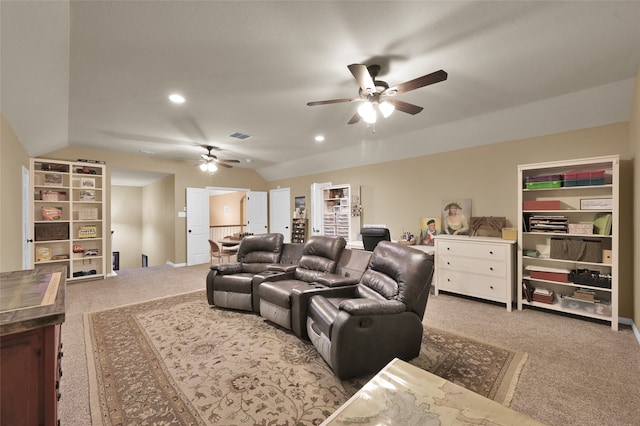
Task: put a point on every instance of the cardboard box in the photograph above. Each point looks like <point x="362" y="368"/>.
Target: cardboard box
<point x="607" y="256"/>
<point x="543" y="298"/>
<point x="585" y="228"/>
<point x="542" y="205"/>
<point x="509" y="234"/>
<point x="51" y="231"/>
<point x="596" y="204"/>
<point x="560" y="277"/>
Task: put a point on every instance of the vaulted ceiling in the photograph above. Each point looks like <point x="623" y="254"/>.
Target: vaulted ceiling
<point x="97" y="74"/>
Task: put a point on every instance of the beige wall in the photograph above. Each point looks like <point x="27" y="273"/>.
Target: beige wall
<point x="12" y="158"/>
<point x="234" y="203"/>
<point x="127" y="224"/>
<point x="398" y="193"/>
<point x="158" y="221"/>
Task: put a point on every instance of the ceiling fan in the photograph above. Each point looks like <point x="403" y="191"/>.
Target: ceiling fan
<point x="210" y="162"/>
<point x="376" y="94"/>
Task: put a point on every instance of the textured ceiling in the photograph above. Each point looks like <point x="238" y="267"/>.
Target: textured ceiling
<point x="97" y="74"/>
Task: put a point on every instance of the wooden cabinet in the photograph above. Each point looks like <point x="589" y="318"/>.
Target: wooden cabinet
<point x="568" y="241"/>
<point x="30" y="346"/>
<point x="299" y="230"/>
<point x="68" y="217"/>
<point x="341" y="212"/>
<point x="481" y="267"/>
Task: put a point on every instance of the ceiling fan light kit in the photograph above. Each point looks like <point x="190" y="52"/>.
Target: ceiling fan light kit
<point x="211" y="162"/>
<point x="378" y="94"/>
<point x="208" y="167"/>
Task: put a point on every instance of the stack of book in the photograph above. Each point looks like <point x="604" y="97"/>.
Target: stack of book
<point x="557" y="224"/>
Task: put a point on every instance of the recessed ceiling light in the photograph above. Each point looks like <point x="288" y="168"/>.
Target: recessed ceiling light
<point x="319" y="138"/>
<point x="248" y="160"/>
<point x="176" y="98"/>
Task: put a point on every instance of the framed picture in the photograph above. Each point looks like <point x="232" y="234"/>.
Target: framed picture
<point x="455" y="216"/>
<point x="88" y="183"/>
<point x="301" y="207"/>
<point x="429" y="228"/>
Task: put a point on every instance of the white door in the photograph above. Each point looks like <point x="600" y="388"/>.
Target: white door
<point x="27" y="244"/>
<point x="316" y="207"/>
<point x="257" y="212"/>
<point x="197" y="226"/>
<point x="280" y="212"/>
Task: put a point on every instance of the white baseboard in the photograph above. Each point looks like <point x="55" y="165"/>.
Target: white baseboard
<point x="629" y="321"/>
<point x="112" y="274"/>
<point x="176" y="265"/>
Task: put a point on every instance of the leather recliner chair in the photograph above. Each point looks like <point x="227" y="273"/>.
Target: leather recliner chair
<point x="284" y="298"/>
<point x="230" y="285"/>
<point x="361" y="330"/>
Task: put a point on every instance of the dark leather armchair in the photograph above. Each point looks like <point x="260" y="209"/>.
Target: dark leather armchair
<point x="371" y="236"/>
<point x="284" y="297"/>
<point x="230" y="285"/>
<point x="359" y="331"/>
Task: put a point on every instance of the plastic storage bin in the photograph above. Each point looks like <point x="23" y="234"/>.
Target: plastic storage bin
<point x="544" y="184"/>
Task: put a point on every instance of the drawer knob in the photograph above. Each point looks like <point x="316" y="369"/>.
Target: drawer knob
<point x="490" y="251"/>
<point x="448" y="248"/>
<point x="491" y="287"/>
<point x="448" y="280"/>
<point x="448" y="263"/>
<point x="491" y="268"/>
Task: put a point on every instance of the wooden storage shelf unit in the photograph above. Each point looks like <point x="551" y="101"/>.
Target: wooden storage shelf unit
<point x="587" y="247"/>
<point x="338" y="217"/>
<point x="68" y="217"/>
<point x="299" y="230"/>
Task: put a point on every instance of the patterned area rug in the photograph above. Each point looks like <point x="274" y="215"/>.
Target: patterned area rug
<point x="178" y="361"/>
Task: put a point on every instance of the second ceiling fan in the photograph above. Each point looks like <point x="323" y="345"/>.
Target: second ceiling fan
<point x="210" y="161"/>
<point x="376" y="94"/>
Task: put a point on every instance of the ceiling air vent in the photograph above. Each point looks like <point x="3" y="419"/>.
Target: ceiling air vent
<point x="239" y="135"/>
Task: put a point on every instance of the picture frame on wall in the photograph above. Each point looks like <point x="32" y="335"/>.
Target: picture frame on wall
<point x="455" y="216"/>
<point x="430" y="226"/>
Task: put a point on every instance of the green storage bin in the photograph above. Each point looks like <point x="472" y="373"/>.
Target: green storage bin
<point x="544" y="184"/>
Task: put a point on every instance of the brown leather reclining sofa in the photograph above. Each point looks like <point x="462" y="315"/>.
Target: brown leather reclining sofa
<point x="278" y="281"/>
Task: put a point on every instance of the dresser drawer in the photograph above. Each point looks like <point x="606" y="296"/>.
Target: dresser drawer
<point x="469" y="264"/>
<point x="472" y="249"/>
<point x="484" y="287"/>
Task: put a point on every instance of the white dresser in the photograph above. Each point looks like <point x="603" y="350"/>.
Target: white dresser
<point x="481" y="267"/>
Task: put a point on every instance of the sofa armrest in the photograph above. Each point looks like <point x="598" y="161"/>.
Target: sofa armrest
<point x="228" y="268"/>
<point x="335" y="280"/>
<point x="300" y="303"/>
<point x="363" y="306"/>
<point x="281" y="267"/>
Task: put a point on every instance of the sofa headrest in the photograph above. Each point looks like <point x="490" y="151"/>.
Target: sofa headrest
<point x="320" y="254"/>
<point x="398" y="272"/>
<point x="262" y="248"/>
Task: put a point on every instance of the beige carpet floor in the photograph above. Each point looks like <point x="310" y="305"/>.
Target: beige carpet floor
<point x="177" y="360"/>
<point x="577" y="372"/>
